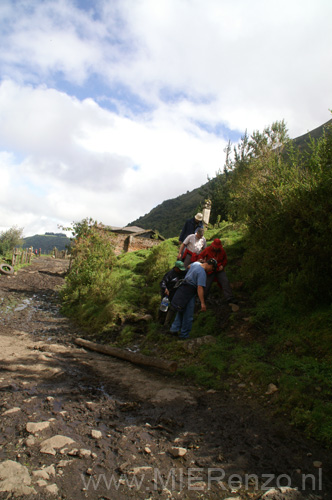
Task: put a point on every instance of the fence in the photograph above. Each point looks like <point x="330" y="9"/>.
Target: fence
<point x="21" y="256"/>
<point x="60" y="254"/>
<point x="24" y="256"/>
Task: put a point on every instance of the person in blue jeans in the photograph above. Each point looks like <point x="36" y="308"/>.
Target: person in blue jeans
<point x="183" y="301"/>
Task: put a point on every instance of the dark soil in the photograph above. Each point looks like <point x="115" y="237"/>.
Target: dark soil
<point x="145" y="417"/>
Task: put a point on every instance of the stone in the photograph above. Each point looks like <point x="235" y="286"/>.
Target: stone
<point x="96" y="434"/>
<point x="15" y="478"/>
<point x="49" y="446"/>
<point x="30" y="441"/>
<point x="41" y="473"/>
<point x="194" y="344"/>
<point x="36" y="427"/>
<point x="41" y="483"/>
<point x="90" y="405"/>
<point x="53" y="489"/>
<point x="64" y="463"/>
<point x="11" y="411"/>
<point x="169" y="395"/>
<point x="73" y="453"/>
<point x="284" y="493"/>
<point x="50" y="470"/>
<point x="56" y="348"/>
<point x="178" y="452"/>
<point x="141" y="470"/>
<point x="271" y="389"/>
<point x="83" y="453"/>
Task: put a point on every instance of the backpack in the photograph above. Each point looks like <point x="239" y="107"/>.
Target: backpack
<point x="184" y="293"/>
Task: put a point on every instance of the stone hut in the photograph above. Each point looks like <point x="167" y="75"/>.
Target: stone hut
<point x="131" y="238"/>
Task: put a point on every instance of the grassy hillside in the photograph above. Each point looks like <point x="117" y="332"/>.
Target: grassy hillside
<point x="265" y="352"/>
<point x="277" y="349"/>
<point x="47" y="242"/>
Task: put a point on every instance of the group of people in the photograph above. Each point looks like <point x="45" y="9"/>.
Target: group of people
<point x="196" y="268"/>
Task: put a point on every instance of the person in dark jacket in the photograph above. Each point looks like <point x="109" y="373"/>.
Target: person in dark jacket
<point x="168" y="287"/>
<point x="171" y="278"/>
<point x="190" y="226"/>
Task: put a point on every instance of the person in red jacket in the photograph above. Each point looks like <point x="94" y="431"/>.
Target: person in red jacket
<point x="217" y="251"/>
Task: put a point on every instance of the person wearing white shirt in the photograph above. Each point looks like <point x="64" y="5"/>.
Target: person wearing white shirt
<point x="192" y="246"/>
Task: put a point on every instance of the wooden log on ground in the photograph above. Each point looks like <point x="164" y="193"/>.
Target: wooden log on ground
<point x="140" y="359"/>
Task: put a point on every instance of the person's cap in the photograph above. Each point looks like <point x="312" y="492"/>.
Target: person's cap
<point x="199" y="216"/>
<point x="180" y="265"/>
<point x="213" y="262"/>
<point x="216" y="243"/>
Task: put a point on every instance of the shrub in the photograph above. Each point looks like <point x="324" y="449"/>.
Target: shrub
<point x="285" y="197"/>
<point x="10" y="239"/>
<point x="90" y="286"/>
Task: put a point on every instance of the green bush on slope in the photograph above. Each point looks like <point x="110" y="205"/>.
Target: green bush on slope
<point x="90" y="287"/>
<point x="284" y="196"/>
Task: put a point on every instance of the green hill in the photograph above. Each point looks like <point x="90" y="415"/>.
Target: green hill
<point x="168" y="217"/>
<point x="47" y="242"/>
<point x="314" y="134"/>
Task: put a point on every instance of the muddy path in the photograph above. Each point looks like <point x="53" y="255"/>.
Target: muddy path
<point x="76" y="424"/>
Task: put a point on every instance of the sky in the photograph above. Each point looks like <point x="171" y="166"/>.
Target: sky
<point x="110" y="107"/>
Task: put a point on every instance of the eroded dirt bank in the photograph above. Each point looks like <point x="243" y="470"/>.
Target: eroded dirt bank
<point x="77" y="424"/>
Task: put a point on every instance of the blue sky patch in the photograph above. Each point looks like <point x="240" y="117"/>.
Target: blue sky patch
<point x="88" y="6"/>
<point x="221" y="130"/>
<point x="169" y="95"/>
<point x="126" y="99"/>
<point x="115" y="98"/>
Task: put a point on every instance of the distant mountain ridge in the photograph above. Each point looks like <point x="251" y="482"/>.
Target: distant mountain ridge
<point x="47" y="242"/>
<point x="314" y="134"/>
<point x="169" y="217"/>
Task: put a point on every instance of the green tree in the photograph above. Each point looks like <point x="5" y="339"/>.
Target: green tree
<point x="10" y="239"/>
<point x="90" y="286"/>
<point x="284" y="195"/>
<point x="257" y="163"/>
<point x="219" y="189"/>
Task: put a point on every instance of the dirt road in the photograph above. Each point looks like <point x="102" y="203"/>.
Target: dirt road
<point x="77" y="424"/>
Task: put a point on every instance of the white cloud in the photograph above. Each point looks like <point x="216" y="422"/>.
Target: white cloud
<point x="258" y="60"/>
<point x="51" y="36"/>
<point x="95" y="163"/>
<point x="76" y="143"/>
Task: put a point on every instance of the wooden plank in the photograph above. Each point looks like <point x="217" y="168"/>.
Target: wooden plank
<point x="140" y="359"/>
